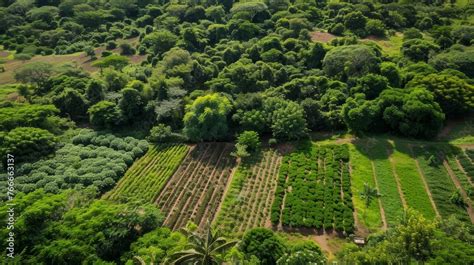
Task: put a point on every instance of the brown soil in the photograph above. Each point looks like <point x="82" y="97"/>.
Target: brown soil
<point x="458" y="185"/>
<point x="319" y="36"/>
<point x="4" y="54"/>
<point x="80" y="60"/>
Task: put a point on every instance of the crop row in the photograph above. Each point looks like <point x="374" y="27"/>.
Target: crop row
<point x="362" y="172"/>
<point x="411" y="182"/>
<point x="147" y="176"/>
<point x="196" y="189"/>
<point x="248" y="200"/>
<point x="314" y="190"/>
<point x="439" y="182"/>
<point x="461" y="175"/>
<point x="467" y="164"/>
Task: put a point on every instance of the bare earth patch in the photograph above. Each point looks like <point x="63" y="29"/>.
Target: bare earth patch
<point x="319" y="36"/>
<point x="79" y="59"/>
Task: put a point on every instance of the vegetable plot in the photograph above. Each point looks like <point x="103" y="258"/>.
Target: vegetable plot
<point x="145" y="179"/>
<point x="314" y="190"/>
<point x="248" y="200"/>
<point x="196" y="189"/>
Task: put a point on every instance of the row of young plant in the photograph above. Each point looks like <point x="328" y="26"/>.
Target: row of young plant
<point x="467" y="164"/>
<point x="196" y="188"/>
<point x="91" y="159"/>
<point x="147" y="176"/>
<point x="447" y="198"/>
<point x="248" y="198"/>
<point x="314" y="190"/>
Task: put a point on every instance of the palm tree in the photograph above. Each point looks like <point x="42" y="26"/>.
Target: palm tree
<point x="368" y="194"/>
<point x="203" y="249"/>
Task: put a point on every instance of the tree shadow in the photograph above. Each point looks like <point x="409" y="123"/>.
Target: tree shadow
<point x="374" y="148"/>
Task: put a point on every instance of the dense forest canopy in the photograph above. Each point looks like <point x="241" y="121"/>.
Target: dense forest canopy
<point x="191" y="71"/>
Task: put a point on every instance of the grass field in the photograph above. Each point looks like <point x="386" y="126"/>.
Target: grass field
<point x="248" y="201"/>
<point x="147" y="176"/>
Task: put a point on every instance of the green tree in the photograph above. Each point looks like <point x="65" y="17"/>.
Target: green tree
<point x="350" y="60"/>
<point x="453" y="94"/>
<point x="27" y="143"/>
<point x="391" y="72"/>
<point x="249" y="139"/>
<point x="355" y="20"/>
<point x="160" y="41"/>
<point x="36" y="73"/>
<point x="95" y="91"/>
<point x="118" y="62"/>
<point x="104" y="114"/>
<point x="71" y="102"/>
<point x="131" y="104"/>
<point x="375" y="27"/>
<point x="289" y="122"/>
<point x="206" y="117"/>
<point x="368" y="194"/>
<point x="418" y="49"/>
<point x="206" y="249"/>
<point x="263" y="244"/>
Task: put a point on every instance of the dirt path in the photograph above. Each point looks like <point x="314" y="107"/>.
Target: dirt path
<point x="458" y="185"/>
<point x="397" y="179"/>
<point x="382" y="210"/>
<point x="464" y="171"/>
<point x="425" y="184"/>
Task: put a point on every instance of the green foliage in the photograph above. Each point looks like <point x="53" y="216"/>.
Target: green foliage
<point x="157" y="245"/>
<point x="350" y="60"/>
<point x="263" y="244"/>
<point x="104" y="114"/>
<point x="35" y="73"/>
<point x="118" y="62"/>
<point x="95" y="91"/>
<point x="71" y="103"/>
<point x="90" y="160"/>
<point x="453" y="94"/>
<point x="160" y="41"/>
<point x="418" y="49"/>
<point x="27" y="143"/>
<point x="27" y="116"/>
<point x="163" y="134"/>
<point x="131" y="104"/>
<point x="415" y="239"/>
<point x="206" y="117"/>
<point x="461" y="60"/>
<point x="250" y="139"/>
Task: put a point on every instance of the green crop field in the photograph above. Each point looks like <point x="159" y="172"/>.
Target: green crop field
<point x="411" y="181"/>
<point x="145" y="179"/>
<point x="250" y="195"/>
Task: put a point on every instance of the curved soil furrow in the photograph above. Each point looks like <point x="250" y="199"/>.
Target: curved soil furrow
<point x="456" y="181"/>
